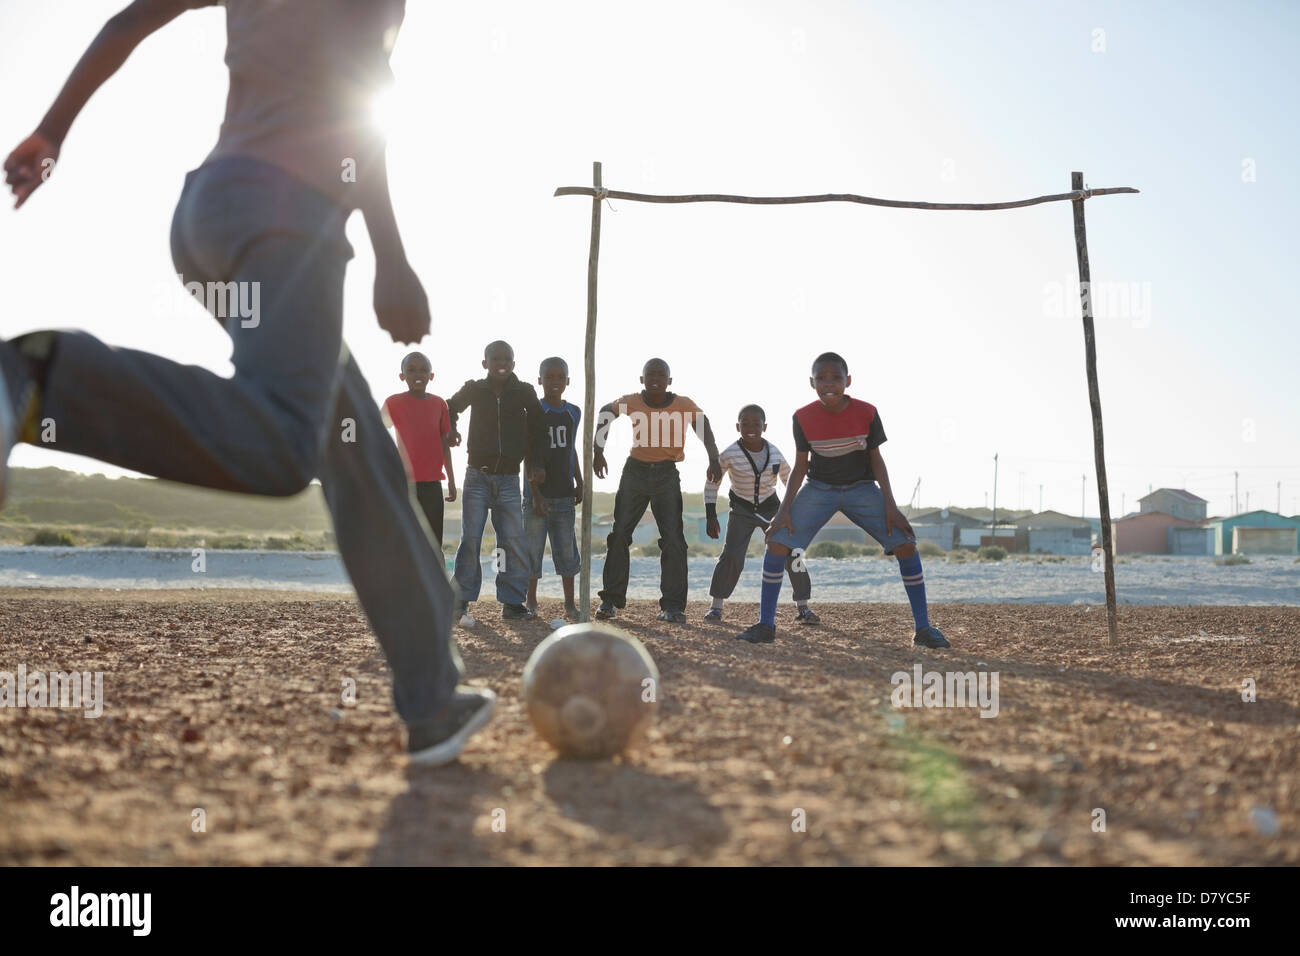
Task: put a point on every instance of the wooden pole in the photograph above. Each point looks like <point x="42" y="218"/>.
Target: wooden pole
<point x="589" y="401"/>
<point x="1075" y="196"/>
<point x="1094" y="398"/>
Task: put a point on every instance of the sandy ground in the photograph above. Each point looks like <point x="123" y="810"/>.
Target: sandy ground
<point x="229" y="702"/>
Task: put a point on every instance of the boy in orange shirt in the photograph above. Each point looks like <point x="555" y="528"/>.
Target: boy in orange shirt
<point x="423" y="425"/>
<point x="660" y="421"/>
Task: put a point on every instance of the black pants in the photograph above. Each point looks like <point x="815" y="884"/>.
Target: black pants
<point x="658" y="486"/>
<point x="742" y="522"/>
<point x="429" y="495"/>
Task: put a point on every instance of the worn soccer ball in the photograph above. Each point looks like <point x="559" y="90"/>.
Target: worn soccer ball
<point x="591" y="690"/>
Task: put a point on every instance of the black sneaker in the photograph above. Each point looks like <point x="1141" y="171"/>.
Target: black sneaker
<point x="930" y="636"/>
<point x="714" y="616"/>
<point x="672" y="617"/>
<point x="807" y="615"/>
<point x="19" y="407"/>
<point x="605" y="611"/>
<point x="440" y="739"/>
<point x="759" y="633"/>
<point x="517" y="612"/>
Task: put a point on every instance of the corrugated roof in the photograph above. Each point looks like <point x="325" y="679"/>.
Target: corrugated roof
<point x="1051" y="519"/>
<point x="1178" y="492"/>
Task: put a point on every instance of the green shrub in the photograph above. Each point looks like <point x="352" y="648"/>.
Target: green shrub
<point x="48" y="537"/>
<point x="120" y="539"/>
<point x="928" y="549"/>
<point x="1232" y="559"/>
<point x="294" y="543"/>
<point x="649" y="550"/>
<point x="959" y="556"/>
<point x="827" y="549"/>
<point x="991" y="552"/>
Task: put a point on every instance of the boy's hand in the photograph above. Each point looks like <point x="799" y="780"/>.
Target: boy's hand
<point x="579" y="491"/>
<point x="713" y="529"/>
<point x="598" y="463"/>
<point x="400" y="303"/>
<point x="537" y="476"/>
<point x="539" y="506"/>
<point x="714" y="473"/>
<point x="894" y="519"/>
<point x="782" y="520"/>
<point x="453" y="439"/>
<point x="29" y="165"/>
<point x="451" y="491"/>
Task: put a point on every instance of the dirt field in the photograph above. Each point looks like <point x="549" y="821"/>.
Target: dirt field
<point x="230" y="702"/>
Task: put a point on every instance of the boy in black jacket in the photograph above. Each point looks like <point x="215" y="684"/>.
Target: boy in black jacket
<point x="507" y="424"/>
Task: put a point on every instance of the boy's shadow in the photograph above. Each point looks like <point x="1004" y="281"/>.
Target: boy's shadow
<point x="432" y="823"/>
<point x="625" y="800"/>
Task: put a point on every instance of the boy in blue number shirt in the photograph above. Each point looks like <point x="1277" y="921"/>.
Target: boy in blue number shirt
<point x="550" y="506"/>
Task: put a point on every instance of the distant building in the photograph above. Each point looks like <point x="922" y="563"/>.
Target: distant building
<point x="1051" y="532"/>
<point x="942" y="525"/>
<point x="1176" y="502"/>
<point x="1256" y="532"/>
<point x="1003" y="537"/>
<point x="1196" y="539"/>
<point x="1148" y="532"/>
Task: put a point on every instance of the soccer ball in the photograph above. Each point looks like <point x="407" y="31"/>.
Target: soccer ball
<point x="591" y="690"/>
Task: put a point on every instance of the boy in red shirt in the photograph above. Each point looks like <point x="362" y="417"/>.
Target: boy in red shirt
<point x="423" y="425"/>
<point x="838" y="441"/>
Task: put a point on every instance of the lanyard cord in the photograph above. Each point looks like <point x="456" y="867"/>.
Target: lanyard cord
<point x="757" y="471"/>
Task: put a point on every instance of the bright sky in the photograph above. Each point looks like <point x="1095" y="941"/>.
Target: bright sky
<point x="961" y="327"/>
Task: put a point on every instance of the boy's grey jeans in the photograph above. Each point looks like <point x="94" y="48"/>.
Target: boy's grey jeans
<point x="296" y="408"/>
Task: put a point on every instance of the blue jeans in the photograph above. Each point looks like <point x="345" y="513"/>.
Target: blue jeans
<point x="558" y="525"/>
<point x="862" y="502"/>
<point x="498" y="495"/>
<point x="296" y="407"/>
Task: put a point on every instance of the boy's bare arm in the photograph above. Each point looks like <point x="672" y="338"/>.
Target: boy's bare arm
<point x="31" y="163"/>
<point x="782" y="518"/>
<point x="893" y="517"/>
<point x="579" y="485"/>
<point x="451" y="472"/>
<point x="401" y="305"/>
<point x="711" y="446"/>
<point x="604" y="418"/>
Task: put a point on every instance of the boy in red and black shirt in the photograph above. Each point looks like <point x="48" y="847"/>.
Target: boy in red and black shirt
<point x="423" y="426"/>
<point x="838" y="441"/>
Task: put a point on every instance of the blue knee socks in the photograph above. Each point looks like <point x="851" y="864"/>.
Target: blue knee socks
<point x="773" y="574"/>
<point x="914" y="583"/>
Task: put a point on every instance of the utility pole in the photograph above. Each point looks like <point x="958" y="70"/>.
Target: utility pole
<point x="1083" y="493"/>
<point x="993" y="533"/>
<point x="1235" y="495"/>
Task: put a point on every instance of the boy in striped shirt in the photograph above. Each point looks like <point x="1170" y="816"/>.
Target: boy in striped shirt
<point x="838" y="440"/>
<point x="754" y="465"/>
